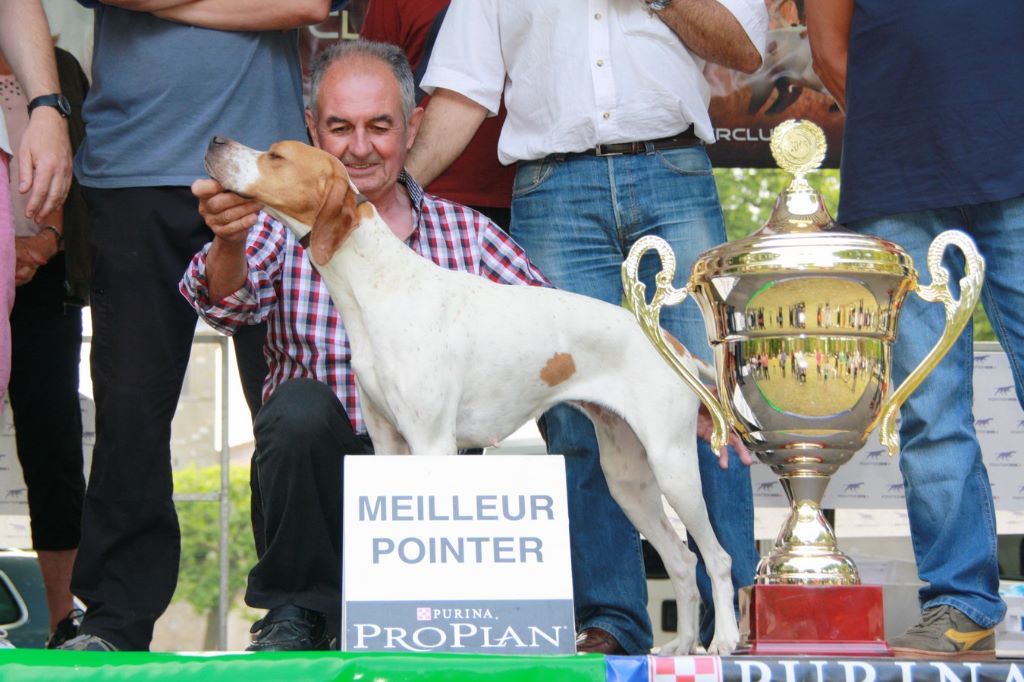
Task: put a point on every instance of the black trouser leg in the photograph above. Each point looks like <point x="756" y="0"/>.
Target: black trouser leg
<point x="302" y="433"/>
<point x="46" y="344"/>
<point x="127" y="565"/>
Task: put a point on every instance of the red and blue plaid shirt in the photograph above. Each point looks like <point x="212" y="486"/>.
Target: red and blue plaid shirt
<point x="305" y="336"/>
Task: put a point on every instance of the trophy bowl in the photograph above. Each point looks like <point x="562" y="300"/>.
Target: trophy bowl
<point x="801" y="316"/>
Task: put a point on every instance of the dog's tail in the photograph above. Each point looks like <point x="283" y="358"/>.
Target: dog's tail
<point x="705" y="372"/>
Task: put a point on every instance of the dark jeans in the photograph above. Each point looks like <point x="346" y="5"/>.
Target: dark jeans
<point x="46" y="343"/>
<point x="302" y="434"/>
<point x="127" y="566"/>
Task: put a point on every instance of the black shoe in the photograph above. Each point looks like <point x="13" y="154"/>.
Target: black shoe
<point x="87" y="643"/>
<point x="289" y="628"/>
<point x="66" y="629"/>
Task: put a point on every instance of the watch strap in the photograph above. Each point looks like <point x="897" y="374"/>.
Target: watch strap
<point x="55" y="100"/>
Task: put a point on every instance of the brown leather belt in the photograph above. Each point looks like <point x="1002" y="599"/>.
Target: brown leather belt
<point x="687" y="138"/>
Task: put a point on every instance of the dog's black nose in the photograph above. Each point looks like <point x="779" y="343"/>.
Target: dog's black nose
<point x="217" y="139"/>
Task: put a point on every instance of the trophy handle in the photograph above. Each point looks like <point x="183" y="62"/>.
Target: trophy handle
<point x="648" y="317"/>
<point x="958" y="313"/>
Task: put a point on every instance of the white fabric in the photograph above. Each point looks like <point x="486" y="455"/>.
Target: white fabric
<point x="5" y="144"/>
<point x="577" y="73"/>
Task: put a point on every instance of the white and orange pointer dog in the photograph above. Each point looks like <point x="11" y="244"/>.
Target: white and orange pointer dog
<point x="446" y="359"/>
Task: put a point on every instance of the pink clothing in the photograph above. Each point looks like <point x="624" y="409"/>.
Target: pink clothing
<point x="6" y="271"/>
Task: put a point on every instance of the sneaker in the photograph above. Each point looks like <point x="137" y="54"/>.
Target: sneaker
<point x="290" y="628"/>
<point x="945" y="632"/>
<point x="66" y="629"/>
<point x="4" y="642"/>
<point x="87" y="643"/>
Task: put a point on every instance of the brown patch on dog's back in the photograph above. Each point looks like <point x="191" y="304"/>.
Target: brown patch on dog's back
<point x="559" y="368"/>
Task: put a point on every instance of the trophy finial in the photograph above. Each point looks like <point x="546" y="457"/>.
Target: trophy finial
<point x="798" y="146"/>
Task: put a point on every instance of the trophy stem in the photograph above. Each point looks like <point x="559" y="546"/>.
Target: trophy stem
<point x="806" y="552"/>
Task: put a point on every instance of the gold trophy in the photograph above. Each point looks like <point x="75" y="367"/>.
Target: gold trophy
<point x="802" y="316"/>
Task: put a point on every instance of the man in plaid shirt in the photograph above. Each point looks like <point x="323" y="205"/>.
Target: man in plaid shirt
<point x="364" y="114"/>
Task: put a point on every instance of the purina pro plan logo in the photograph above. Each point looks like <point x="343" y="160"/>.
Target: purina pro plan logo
<point x="460" y="554"/>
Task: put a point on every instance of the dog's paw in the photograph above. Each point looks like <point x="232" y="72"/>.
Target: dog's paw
<point x="677" y="647"/>
<point x="724" y="644"/>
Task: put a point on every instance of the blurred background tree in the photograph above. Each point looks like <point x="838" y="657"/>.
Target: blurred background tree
<point x="199" y="572"/>
<point x="747" y="196"/>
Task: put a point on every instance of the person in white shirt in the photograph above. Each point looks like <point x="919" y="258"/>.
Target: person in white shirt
<point x="607" y="119"/>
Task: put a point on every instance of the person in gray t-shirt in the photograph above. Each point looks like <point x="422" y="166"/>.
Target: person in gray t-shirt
<point x="164" y="83"/>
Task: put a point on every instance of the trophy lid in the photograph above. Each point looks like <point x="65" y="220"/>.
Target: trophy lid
<point x="800" y="234"/>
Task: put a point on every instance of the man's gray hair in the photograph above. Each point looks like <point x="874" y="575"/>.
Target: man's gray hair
<point x="392" y="55"/>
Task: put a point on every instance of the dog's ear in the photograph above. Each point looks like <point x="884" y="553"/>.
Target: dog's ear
<point x="336" y="219"/>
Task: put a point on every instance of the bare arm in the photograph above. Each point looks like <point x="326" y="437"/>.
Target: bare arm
<point x="233" y="15"/>
<point x="711" y="32"/>
<point x="44" y="156"/>
<point x="249" y="15"/>
<point x="230" y="217"/>
<point x="828" y="28"/>
<point x="450" y="121"/>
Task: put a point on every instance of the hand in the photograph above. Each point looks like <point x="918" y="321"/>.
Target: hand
<point x="705" y="427"/>
<point x="229" y="215"/>
<point x="31" y="253"/>
<point x="44" y="162"/>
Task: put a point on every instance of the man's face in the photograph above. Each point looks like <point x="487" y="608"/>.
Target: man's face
<point x="360" y="122"/>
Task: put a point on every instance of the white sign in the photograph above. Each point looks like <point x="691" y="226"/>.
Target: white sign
<point x="462" y="554"/>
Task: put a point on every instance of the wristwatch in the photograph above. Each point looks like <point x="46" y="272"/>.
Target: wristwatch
<point x="56" y="100"/>
<point x="657" y="5"/>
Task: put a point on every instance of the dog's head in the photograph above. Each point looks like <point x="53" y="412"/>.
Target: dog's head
<point x="306" y="188"/>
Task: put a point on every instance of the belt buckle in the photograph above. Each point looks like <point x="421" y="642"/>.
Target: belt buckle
<point x="599" y="151"/>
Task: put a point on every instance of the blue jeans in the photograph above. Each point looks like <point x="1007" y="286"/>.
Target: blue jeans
<point x="949" y="499"/>
<point x="577" y="217"/>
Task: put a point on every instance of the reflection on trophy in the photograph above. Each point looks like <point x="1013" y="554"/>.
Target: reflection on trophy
<point x="802" y="316"/>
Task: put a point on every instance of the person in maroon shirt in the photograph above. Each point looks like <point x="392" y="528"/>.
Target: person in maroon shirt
<point x="476" y="178"/>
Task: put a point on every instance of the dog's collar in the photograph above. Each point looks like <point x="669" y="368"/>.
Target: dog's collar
<point x="304" y="241"/>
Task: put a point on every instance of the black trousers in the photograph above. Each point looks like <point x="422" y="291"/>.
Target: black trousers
<point x="127" y="566"/>
<point x="46" y="343"/>
<point x="302" y="433"/>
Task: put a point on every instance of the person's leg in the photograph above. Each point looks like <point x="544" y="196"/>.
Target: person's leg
<point x="679" y="203"/>
<point x="47" y="340"/>
<point x="127" y="565"/>
<point x="248" y="343"/>
<point x="562" y="216"/>
<point x="949" y="500"/>
<point x="302" y="433"/>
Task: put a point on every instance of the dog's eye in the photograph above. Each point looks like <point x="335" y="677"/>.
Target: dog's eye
<point x="274" y="156"/>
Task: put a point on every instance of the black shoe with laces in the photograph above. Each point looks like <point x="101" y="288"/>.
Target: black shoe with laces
<point x="290" y="628"/>
<point x="66" y="629"/>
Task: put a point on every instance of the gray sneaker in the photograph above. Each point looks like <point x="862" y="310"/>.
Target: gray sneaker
<point x="87" y="643"/>
<point x="945" y="632"/>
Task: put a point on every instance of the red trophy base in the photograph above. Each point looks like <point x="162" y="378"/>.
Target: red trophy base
<point x="821" y="620"/>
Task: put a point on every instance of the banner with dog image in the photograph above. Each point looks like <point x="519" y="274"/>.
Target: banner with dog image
<point x="461" y="554"/>
<point x="746" y="107"/>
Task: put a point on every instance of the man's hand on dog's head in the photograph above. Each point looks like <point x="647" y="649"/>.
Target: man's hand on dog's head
<point x="705" y="426"/>
<point x="229" y="215"/>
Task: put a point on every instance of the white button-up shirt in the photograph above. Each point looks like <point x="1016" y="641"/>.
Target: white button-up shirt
<point x="577" y="73"/>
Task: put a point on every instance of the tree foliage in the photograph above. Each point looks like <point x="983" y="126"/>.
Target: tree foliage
<point x="199" y="572"/>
